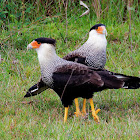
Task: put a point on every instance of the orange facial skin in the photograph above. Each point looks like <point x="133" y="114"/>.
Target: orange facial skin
<point x="35" y="44"/>
<point x="100" y="30"/>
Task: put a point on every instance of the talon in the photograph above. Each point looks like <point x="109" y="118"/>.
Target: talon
<point x="84" y="113"/>
<point x="96" y="112"/>
<point x="78" y="113"/>
<point x="96" y="118"/>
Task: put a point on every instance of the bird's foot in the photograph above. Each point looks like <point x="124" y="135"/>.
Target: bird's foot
<point x="96" y="118"/>
<point x="78" y="113"/>
<point x="84" y="113"/>
<point x="94" y="114"/>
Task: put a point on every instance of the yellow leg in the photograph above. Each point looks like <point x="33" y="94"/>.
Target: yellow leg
<point x="96" y="118"/>
<point x="66" y="114"/>
<point x="77" y="113"/>
<point x="97" y="111"/>
<point x="84" y="107"/>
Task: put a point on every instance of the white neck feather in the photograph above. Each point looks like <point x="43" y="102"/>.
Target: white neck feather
<point x="98" y="39"/>
<point x="46" y="53"/>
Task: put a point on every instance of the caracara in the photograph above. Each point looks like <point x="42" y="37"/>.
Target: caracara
<point x="92" y="53"/>
<point x="71" y="80"/>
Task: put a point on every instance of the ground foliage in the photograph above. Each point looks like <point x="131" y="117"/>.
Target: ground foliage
<point x="41" y="117"/>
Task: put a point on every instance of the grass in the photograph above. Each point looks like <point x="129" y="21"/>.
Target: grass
<point x="41" y="117"/>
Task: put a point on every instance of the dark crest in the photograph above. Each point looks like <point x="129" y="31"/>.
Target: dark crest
<point x="96" y="26"/>
<point x="46" y="40"/>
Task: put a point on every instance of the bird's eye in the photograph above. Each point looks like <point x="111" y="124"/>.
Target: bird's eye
<point x="39" y="42"/>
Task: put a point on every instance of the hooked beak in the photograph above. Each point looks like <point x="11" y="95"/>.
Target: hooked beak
<point x="29" y="46"/>
<point x="33" y="45"/>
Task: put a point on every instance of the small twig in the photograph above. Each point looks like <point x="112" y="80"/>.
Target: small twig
<point x="83" y="4"/>
<point x="25" y="102"/>
<point x="66" y="84"/>
<point x="0" y="58"/>
<point x="130" y="34"/>
<point x="66" y="21"/>
<point x="97" y="6"/>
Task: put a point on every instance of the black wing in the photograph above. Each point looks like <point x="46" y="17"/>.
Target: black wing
<point x="74" y="75"/>
<point x="36" y="89"/>
<point x="75" y="57"/>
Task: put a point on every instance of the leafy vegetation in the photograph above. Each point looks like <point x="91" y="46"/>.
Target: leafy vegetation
<point x="41" y="117"/>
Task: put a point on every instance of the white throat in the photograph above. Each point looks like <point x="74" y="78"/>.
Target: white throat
<point x="46" y="53"/>
<point x="99" y="40"/>
<point x="48" y="60"/>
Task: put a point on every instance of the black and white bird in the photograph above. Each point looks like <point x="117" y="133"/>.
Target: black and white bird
<point x="71" y="80"/>
<point x="92" y="53"/>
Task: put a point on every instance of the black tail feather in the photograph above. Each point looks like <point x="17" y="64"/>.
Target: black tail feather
<point x="131" y="82"/>
<point x="110" y="81"/>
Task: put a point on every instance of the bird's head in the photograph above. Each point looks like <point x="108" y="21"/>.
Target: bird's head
<point x="45" y="48"/>
<point x="98" y="29"/>
<point x="43" y="45"/>
<point x="40" y="42"/>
